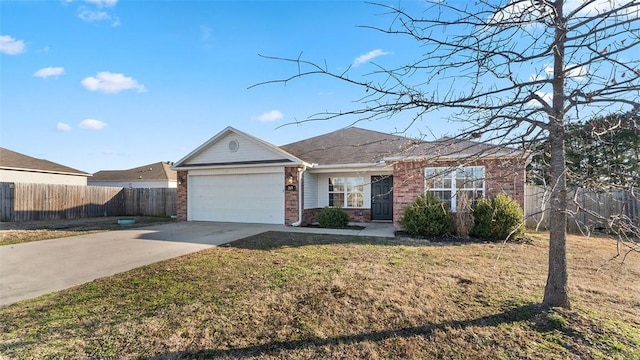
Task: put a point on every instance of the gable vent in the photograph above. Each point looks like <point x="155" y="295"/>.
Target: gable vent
<point x="234" y="145"/>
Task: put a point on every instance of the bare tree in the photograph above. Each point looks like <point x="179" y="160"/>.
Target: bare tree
<point x="513" y="73"/>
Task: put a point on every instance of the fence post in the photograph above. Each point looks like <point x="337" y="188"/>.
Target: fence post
<point x="7" y="194"/>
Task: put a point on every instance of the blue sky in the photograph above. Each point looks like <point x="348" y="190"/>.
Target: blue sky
<point x="106" y="84"/>
<point x="109" y="84"/>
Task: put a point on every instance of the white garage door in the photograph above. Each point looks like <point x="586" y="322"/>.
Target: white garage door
<point x="250" y="198"/>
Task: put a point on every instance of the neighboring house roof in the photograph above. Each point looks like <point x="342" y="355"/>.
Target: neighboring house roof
<point x="354" y="145"/>
<point x="160" y="171"/>
<point x="11" y="160"/>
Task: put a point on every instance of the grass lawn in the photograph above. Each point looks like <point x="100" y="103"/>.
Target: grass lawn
<point x="285" y="295"/>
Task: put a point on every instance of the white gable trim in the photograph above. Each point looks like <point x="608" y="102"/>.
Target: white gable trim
<point x="280" y="157"/>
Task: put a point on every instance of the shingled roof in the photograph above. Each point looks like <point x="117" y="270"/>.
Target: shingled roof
<point x="452" y="148"/>
<point x="350" y="145"/>
<point x="160" y="171"/>
<point x="11" y="160"/>
<point x="354" y="145"/>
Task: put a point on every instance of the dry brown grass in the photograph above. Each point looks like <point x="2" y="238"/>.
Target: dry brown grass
<point x="26" y="231"/>
<point x="284" y="295"/>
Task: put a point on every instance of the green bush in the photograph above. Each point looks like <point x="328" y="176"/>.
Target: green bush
<point x="333" y="217"/>
<point x="497" y="218"/>
<point x="426" y="216"/>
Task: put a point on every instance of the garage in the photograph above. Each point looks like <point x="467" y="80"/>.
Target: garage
<point x="237" y="195"/>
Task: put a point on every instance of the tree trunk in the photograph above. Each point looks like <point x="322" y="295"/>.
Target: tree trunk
<point x="556" y="292"/>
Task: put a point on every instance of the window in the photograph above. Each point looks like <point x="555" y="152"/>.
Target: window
<point x="346" y="192"/>
<point x="454" y="186"/>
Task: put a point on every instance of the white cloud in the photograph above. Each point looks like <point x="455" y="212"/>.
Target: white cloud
<point x="369" y="56"/>
<point x="101" y="3"/>
<point x="270" y="116"/>
<point x="63" y="127"/>
<point x="531" y="11"/>
<point x="112" y="83"/>
<point x="92" y="15"/>
<point x="49" y="71"/>
<point x="600" y="6"/>
<point x="577" y="72"/>
<point x="92" y="124"/>
<point x="546" y="97"/>
<point x="98" y="11"/>
<point x="518" y="12"/>
<point x="11" y="46"/>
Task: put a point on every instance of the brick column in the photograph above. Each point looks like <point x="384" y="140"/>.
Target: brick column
<point x="408" y="183"/>
<point x="181" y="194"/>
<point x="291" y="200"/>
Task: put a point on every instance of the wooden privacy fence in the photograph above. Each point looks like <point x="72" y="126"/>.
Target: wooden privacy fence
<point x="588" y="210"/>
<point x="23" y="201"/>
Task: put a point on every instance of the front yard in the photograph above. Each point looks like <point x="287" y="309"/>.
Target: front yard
<point x="287" y="295"/>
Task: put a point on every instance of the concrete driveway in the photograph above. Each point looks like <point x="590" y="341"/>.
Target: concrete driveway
<point x="40" y="267"/>
<point x="35" y="268"/>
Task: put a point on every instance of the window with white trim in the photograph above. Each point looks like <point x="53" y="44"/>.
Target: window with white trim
<point x="453" y="186"/>
<point x="346" y="192"/>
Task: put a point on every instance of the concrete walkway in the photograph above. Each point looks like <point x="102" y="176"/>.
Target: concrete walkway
<point x="36" y="268"/>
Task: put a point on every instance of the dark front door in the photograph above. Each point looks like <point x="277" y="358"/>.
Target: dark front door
<point x="382" y="197"/>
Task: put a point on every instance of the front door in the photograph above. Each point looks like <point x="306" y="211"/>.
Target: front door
<point x="382" y="197"/>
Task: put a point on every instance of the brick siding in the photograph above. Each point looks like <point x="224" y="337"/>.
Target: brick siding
<point x="181" y="195"/>
<point x="501" y="176"/>
<point x="310" y="216"/>
<point x="291" y="197"/>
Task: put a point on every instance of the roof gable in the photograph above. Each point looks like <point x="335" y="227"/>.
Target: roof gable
<point x="232" y="147"/>
<point x="12" y="160"/>
<point x="160" y="171"/>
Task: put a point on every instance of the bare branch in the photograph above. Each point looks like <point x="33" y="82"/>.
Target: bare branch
<point x="515" y="74"/>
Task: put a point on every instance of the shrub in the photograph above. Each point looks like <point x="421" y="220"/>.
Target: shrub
<point x="333" y="217"/>
<point x="497" y="218"/>
<point x="426" y="216"/>
<point x="462" y="223"/>
<point x="463" y="217"/>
